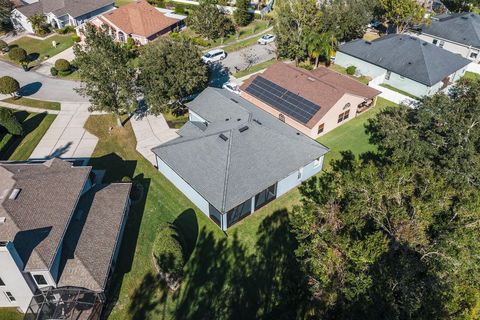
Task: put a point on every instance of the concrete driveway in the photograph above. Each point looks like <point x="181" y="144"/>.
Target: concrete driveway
<point x="39" y="86"/>
<point x="239" y="60"/>
<point x="66" y="137"/>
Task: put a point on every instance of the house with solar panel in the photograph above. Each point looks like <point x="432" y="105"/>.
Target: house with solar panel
<point x="403" y="62"/>
<point x="313" y="102"/>
<point x="231" y="158"/>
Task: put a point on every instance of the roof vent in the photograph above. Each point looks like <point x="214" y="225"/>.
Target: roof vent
<point x="298" y="133"/>
<point x="239" y="119"/>
<point x="234" y="100"/>
<point x="409" y="62"/>
<point x="425" y="44"/>
<point x="242" y="129"/>
<point x="2" y="220"/>
<point x="227" y="119"/>
<point x="368" y="42"/>
<point x="464" y="17"/>
<point x="256" y="121"/>
<point x="310" y="78"/>
<point x="223" y="137"/>
<point x="14" y="194"/>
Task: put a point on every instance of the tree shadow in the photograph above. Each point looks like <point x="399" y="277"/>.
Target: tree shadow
<point x="218" y="75"/>
<point x="187" y="225"/>
<point x="29" y="89"/>
<point x="115" y="167"/>
<point x="33" y="56"/>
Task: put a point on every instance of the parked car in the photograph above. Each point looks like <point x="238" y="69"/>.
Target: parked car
<point x="266" y="39"/>
<point x="214" y="55"/>
<point x="232" y="87"/>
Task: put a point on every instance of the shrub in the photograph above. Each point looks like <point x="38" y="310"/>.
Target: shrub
<point x="306" y="66"/>
<point x="200" y="42"/>
<point x="179" y="8"/>
<point x="62" y="65"/>
<point x="76" y="38"/>
<point x="66" y="29"/>
<point x="168" y="252"/>
<point x="18" y="54"/>
<point x="9" y="85"/>
<point x="10" y="122"/>
<point x="64" y="73"/>
<point x="351" y="70"/>
<point x="3" y="44"/>
<point x="53" y="71"/>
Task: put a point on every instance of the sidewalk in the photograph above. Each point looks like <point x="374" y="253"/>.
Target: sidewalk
<point x="151" y="131"/>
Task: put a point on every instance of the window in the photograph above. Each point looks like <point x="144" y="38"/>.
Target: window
<point x="2" y="284"/>
<point x="435" y="41"/>
<point x="442" y="43"/>
<point x="10" y="296"/>
<point x="343" y="116"/>
<point x="121" y="36"/>
<point x="474" y="55"/>
<point x="387" y="76"/>
<point x="346" y="106"/>
<point x="265" y="196"/>
<point x="40" y="279"/>
<point x="321" y="128"/>
<point x="281" y="117"/>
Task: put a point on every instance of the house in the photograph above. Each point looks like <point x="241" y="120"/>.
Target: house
<point x="60" y="13"/>
<point x="458" y="33"/>
<point x="313" y="102"/>
<point x="231" y="158"/>
<point x="403" y="62"/>
<point x="58" y="231"/>
<point x="138" y="20"/>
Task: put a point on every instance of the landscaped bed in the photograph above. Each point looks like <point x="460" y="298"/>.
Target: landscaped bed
<point x="342" y="70"/>
<point x="21" y="147"/>
<point x="33" y="103"/>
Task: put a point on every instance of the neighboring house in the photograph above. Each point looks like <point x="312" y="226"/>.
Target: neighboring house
<point x="458" y="33"/>
<point x="138" y="20"/>
<point x="313" y="102"/>
<point x="232" y="158"/>
<point x="58" y="230"/>
<point x="60" y="13"/>
<point x="404" y="62"/>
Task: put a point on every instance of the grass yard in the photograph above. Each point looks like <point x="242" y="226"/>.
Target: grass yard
<point x="39" y="50"/>
<point x="119" y="3"/>
<point x="174" y="121"/>
<point x="10" y="314"/>
<point x="20" y="148"/>
<point x="399" y="91"/>
<point x="342" y="70"/>
<point x="255" y="68"/>
<point x="471" y="75"/>
<point x="27" y="102"/>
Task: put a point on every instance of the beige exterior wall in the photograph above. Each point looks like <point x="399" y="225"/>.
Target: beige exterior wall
<point x="329" y="119"/>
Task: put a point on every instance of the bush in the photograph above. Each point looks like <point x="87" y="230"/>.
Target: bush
<point x="18" y="54"/>
<point x="3" y="44"/>
<point x="168" y="252"/>
<point x="9" y="85"/>
<point x="351" y="70"/>
<point x="200" y="42"/>
<point x="65" y="30"/>
<point x="62" y="65"/>
<point x="64" y="73"/>
<point x="76" y="38"/>
<point x="306" y="66"/>
<point x="53" y="71"/>
<point x="180" y="9"/>
<point x="10" y="122"/>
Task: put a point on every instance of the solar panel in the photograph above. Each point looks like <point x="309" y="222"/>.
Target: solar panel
<point x="283" y="100"/>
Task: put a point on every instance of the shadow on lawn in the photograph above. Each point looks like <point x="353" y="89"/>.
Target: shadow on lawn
<point x="224" y="281"/>
<point x="28" y="126"/>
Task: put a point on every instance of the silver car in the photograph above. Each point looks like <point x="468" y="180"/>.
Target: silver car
<point x="266" y="39"/>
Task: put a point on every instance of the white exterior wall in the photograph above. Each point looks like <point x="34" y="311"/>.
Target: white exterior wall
<point x="290" y="182"/>
<point x="14" y="279"/>
<point x="451" y="46"/>
<point x="408" y="85"/>
<point x="20" y="22"/>
<point x="363" y="67"/>
<point x="192" y="116"/>
<point x="183" y="186"/>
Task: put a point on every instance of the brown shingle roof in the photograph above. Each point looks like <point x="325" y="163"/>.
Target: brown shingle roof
<point x="139" y="18"/>
<point x="321" y="86"/>
<point x="38" y="218"/>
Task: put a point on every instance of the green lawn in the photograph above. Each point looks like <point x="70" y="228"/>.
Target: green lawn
<point x="399" y="91"/>
<point x="10" y="314"/>
<point x="342" y="70"/>
<point x="42" y="49"/>
<point x="254" y="68"/>
<point x="119" y="3"/>
<point x="174" y="121"/>
<point x="351" y="135"/>
<point x="27" y="102"/>
<point x="20" y="148"/>
<point x="472" y="75"/>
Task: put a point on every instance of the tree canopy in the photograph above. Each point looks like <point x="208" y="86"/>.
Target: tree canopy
<point x="9" y="122"/>
<point x="9" y="85"/>
<point x="169" y="71"/>
<point x="395" y="233"/>
<point x="208" y="21"/>
<point x="402" y="13"/>
<point x="242" y="15"/>
<point x="107" y="78"/>
<point x="6" y="7"/>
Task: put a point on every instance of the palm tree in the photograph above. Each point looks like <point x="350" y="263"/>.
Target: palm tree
<point x="320" y="44"/>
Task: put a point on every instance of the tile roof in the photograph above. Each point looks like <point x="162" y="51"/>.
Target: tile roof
<point x="92" y="237"/>
<point x="38" y="218"/>
<point x="75" y="8"/>
<point x="139" y="18"/>
<point x="321" y="86"/>
<point x="460" y="27"/>
<point x="407" y="56"/>
<point x="222" y="171"/>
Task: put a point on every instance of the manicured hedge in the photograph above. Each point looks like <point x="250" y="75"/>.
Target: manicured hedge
<point x="17" y="54"/>
<point x="62" y="65"/>
<point x="9" y="85"/>
<point x="168" y="251"/>
<point x="351" y="70"/>
<point x="10" y="122"/>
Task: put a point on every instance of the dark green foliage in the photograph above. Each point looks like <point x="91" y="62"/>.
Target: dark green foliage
<point x="209" y="22"/>
<point x="66" y="29"/>
<point x="242" y="15"/>
<point x="39" y="24"/>
<point x="9" y="122"/>
<point x="3" y="44"/>
<point x="53" y="71"/>
<point x="351" y="70"/>
<point x="62" y="65"/>
<point x="169" y="71"/>
<point x="6" y="7"/>
<point x="461" y="5"/>
<point x="17" y="54"/>
<point x="180" y="9"/>
<point x="9" y="85"/>
<point x="76" y="38"/>
<point x="168" y="251"/>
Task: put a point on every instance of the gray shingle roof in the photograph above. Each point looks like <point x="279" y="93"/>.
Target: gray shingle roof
<point x="38" y="218"/>
<point x="407" y="56"/>
<point x="226" y="173"/>
<point x="75" y="8"/>
<point x="92" y="237"/>
<point x="460" y="27"/>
